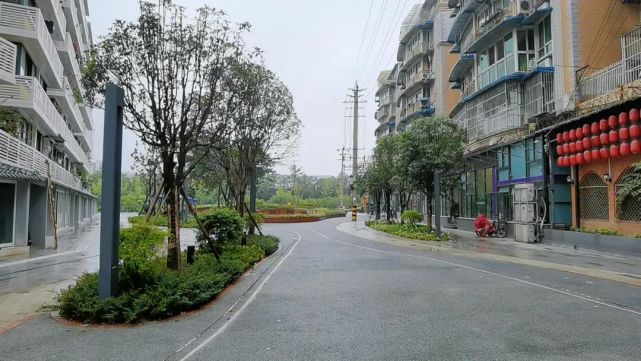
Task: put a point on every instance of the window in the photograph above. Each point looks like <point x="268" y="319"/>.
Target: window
<point x="630" y="210"/>
<point x="545" y="38"/>
<point x="593" y="198"/>
<point x="26" y="133"/>
<point x="525" y="48"/>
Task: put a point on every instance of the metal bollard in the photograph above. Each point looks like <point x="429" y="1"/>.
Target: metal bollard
<point x="191" y="254"/>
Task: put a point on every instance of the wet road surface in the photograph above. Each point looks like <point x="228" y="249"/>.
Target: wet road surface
<point x="326" y="295"/>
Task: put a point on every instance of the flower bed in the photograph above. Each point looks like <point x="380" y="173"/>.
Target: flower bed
<point x="418" y="232"/>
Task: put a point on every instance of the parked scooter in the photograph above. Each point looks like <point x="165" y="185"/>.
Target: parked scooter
<point x="495" y="229"/>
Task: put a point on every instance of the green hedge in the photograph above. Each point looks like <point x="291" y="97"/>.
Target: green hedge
<point x="418" y="232"/>
<point x="164" y="293"/>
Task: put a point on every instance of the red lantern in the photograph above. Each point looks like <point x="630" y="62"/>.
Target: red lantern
<point x="624" y="133"/>
<point x="595" y="141"/>
<point x="604" y="139"/>
<point x="614" y="136"/>
<point x="566" y="148"/>
<point x="587" y="144"/>
<point x="566" y="137"/>
<point x="634" y="115"/>
<point x="635" y="146"/>
<point x="579" y="133"/>
<point x="614" y="151"/>
<point x="559" y="138"/>
<point x="613" y="122"/>
<point x="579" y="159"/>
<point x="594" y="129"/>
<point x="572" y="147"/>
<point x="604" y="153"/>
<point x="573" y="160"/>
<point x="624" y="149"/>
<point x="596" y="154"/>
<point x="559" y="162"/>
<point x="559" y="149"/>
<point x="586" y="130"/>
<point x="623" y="119"/>
<point x="572" y="135"/>
<point x="587" y="155"/>
<point x="579" y="146"/>
<point x="603" y="125"/>
<point x="635" y="131"/>
<point x="566" y="161"/>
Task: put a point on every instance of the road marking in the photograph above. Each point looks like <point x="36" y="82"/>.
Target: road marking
<point x="484" y="271"/>
<point x="240" y="310"/>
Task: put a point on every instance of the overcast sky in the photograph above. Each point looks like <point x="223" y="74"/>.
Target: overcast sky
<point x="313" y="46"/>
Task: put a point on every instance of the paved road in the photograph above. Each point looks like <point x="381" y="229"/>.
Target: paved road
<point x="327" y="295"/>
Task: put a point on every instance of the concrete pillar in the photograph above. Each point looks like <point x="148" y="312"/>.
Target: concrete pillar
<point x="38" y="218"/>
<point x="21" y="221"/>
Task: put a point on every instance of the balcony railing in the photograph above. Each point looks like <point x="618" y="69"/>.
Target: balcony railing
<point x="7" y="62"/>
<point x="616" y="75"/>
<point x="70" y="60"/>
<point x="493" y="112"/>
<point x="18" y="154"/>
<point x="539" y="94"/>
<point x="27" y="94"/>
<point x="73" y="23"/>
<point x="68" y="100"/>
<point x="25" y="22"/>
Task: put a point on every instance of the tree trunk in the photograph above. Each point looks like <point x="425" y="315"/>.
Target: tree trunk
<point x="428" y="208"/>
<point x="173" y="241"/>
<point x="388" y="206"/>
<point x="377" y="201"/>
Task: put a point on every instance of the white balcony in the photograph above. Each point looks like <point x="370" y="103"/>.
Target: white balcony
<point x="86" y="115"/>
<point x="81" y="7"/>
<point x="18" y="154"/>
<point x="52" y="11"/>
<point x="69" y="60"/>
<point x="28" y="96"/>
<point x="25" y="24"/>
<point x="67" y="100"/>
<point x="7" y="62"/>
<point x="619" y="80"/>
<point x="73" y="23"/>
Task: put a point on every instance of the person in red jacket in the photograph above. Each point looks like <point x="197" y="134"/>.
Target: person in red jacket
<point x="482" y="225"/>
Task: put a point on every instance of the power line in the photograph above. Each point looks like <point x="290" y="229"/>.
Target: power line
<point x="375" y="35"/>
<point x="360" y="48"/>
<point x="388" y="39"/>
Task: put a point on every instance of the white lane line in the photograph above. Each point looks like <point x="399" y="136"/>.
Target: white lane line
<point x="240" y="310"/>
<point x="486" y="272"/>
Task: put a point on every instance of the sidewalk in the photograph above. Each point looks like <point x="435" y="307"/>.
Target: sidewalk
<point x="589" y="263"/>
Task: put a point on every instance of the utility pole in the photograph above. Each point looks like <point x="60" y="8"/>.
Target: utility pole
<point x="355" y="100"/>
<point x="344" y="152"/>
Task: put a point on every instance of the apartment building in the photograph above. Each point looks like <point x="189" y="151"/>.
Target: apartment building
<point x="530" y="73"/>
<point x="416" y="86"/>
<point x="45" y="129"/>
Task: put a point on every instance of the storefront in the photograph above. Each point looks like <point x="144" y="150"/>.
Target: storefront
<point x="599" y="151"/>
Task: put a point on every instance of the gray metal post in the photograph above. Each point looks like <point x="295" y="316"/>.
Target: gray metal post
<point x="110" y="216"/>
<point x="437" y="204"/>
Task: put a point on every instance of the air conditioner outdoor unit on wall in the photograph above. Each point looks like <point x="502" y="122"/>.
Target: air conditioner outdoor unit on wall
<point x="526" y="6"/>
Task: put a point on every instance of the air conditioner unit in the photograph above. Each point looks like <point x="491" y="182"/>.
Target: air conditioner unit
<point x="426" y="75"/>
<point x="531" y="64"/>
<point x="526" y="6"/>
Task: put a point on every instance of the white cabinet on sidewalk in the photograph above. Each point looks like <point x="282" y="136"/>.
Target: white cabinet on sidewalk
<point x="524" y="213"/>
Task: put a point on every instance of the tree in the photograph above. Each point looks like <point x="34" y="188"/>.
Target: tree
<point x="434" y="145"/>
<point x="263" y="128"/>
<point x="631" y="190"/>
<point x="178" y="88"/>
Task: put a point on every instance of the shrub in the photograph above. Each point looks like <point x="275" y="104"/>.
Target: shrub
<point x="140" y="248"/>
<point x="167" y="293"/>
<point x="268" y="244"/>
<point x="224" y="224"/>
<point x="258" y="217"/>
<point x="411" y="217"/>
<point x="418" y="232"/>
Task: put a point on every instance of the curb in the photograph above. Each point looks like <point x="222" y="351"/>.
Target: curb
<point x="630" y="279"/>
